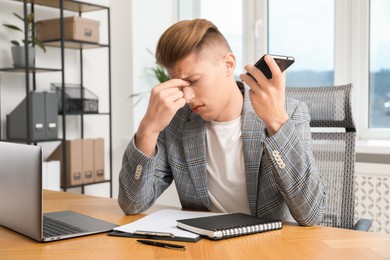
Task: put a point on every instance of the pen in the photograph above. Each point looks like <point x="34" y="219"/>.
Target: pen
<point x="161" y="244"/>
<point x="153" y="233"/>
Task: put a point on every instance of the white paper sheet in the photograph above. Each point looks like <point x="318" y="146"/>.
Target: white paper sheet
<point x="164" y="220"/>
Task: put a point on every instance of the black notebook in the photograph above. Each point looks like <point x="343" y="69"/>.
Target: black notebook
<point x="228" y="225"/>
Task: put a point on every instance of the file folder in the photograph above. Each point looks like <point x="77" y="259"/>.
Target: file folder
<point x="43" y="118"/>
<point x="87" y="160"/>
<point x="98" y="159"/>
<point x="74" y="174"/>
<point x="17" y="119"/>
<point x="51" y="115"/>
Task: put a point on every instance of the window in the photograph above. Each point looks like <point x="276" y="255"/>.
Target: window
<point x="226" y="15"/>
<point x="304" y="29"/>
<point x="333" y="42"/>
<point x="379" y="114"/>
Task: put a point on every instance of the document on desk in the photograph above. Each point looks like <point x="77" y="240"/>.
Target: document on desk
<point x="161" y="225"/>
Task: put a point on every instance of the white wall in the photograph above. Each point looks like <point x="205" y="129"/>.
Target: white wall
<point x="135" y="27"/>
<point x="122" y="71"/>
<point x="150" y="18"/>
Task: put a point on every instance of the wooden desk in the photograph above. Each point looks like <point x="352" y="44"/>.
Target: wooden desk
<point x="292" y="242"/>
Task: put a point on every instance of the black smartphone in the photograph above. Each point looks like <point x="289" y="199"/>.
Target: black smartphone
<point x="283" y="62"/>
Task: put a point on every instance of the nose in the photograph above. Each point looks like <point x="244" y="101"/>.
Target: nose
<point x="188" y="93"/>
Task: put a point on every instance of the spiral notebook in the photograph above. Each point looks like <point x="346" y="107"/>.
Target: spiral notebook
<point x="228" y="225"/>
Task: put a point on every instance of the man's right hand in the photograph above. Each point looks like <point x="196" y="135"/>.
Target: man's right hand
<point x="165" y="100"/>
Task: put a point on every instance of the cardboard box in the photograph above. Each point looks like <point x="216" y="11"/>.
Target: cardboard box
<point x="75" y="28"/>
<point x="98" y="151"/>
<point x="87" y="157"/>
<point x="74" y="174"/>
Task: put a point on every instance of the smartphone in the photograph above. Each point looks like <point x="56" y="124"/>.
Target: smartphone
<point x="283" y="62"/>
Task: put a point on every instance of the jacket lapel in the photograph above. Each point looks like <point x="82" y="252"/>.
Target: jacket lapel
<point x="253" y="134"/>
<point x="194" y="144"/>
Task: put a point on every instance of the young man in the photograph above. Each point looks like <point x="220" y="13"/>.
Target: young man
<point x="229" y="148"/>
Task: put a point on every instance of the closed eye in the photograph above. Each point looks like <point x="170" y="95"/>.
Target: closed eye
<point x="192" y="82"/>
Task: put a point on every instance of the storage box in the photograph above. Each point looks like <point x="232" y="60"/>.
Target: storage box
<point x="74" y="161"/>
<point x="87" y="154"/>
<point x="43" y="118"/>
<point x="74" y="102"/>
<point x="75" y="28"/>
<point x="98" y="159"/>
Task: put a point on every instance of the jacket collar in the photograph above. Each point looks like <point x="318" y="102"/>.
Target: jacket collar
<point x="253" y="135"/>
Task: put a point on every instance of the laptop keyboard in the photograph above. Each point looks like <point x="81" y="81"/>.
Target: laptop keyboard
<point x="52" y="227"/>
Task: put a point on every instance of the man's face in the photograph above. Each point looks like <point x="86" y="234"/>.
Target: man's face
<point x="210" y="75"/>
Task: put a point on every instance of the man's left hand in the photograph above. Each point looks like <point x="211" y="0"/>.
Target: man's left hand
<point x="267" y="95"/>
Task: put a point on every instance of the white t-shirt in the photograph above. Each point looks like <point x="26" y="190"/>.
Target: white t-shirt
<point x="225" y="167"/>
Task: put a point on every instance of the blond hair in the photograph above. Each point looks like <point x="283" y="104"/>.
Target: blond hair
<point x="185" y="37"/>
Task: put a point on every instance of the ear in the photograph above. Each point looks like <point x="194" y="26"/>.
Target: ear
<point x="230" y="62"/>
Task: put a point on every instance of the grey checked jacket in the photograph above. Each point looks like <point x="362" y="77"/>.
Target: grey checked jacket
<point x="281" y="177"/>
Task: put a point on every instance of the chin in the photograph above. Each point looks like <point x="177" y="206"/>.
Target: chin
<point x="207" y="117"/>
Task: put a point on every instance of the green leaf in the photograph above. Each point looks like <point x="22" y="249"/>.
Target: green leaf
<point x="30" y="40"/>
<point x="20" y="18"/>
<point x="16" y="43"/>
<point x="13" y="27"/>
<point x="39" y="43"/>
<point x="160" y="74"/>
<point x="159" y="71"/>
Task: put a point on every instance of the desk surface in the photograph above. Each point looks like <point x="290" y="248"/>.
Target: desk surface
<point x="292" y="242"/>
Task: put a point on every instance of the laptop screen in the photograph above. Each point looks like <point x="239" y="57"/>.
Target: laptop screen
<point x="21" y="188"/>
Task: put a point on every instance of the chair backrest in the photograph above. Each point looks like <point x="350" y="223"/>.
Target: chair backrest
<point x="334" y="150"/>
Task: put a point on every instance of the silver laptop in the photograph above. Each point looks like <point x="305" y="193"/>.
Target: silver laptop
<point x="21" y="199"/>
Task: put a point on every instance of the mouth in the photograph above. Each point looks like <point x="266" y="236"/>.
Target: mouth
<point x="196" y="108"/>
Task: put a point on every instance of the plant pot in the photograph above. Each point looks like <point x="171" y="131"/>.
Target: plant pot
<point x="18" y="56"/>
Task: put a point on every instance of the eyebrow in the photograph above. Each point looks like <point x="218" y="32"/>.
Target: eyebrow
<point x="185" y="78"/>
<point x="192" y="75"/>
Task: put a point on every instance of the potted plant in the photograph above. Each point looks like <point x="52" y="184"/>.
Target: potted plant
<point x="159" y="73"/>
<point x="18" y="49"/>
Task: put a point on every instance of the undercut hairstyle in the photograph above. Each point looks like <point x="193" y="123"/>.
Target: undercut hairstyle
<point x="186" y="37"/>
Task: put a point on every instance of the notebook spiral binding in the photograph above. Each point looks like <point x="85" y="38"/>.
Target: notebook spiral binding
<point x="246" y="230"/>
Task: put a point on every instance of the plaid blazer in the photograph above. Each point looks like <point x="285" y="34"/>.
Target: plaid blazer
<point x="281" y="177"/>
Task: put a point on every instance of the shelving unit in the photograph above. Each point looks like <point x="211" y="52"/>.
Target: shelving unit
<point x="79" y="8"/>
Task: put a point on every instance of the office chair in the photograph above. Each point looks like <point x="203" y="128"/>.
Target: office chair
<point x="333" y="144"/>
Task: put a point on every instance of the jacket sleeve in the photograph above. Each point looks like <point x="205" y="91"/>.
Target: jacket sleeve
<point x="297" y="177"/>
<point x="142" y="179"/>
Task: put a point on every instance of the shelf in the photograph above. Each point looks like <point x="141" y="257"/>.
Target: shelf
<point x="85" y="113"/>
<point x="85" y="184"/>
<point x="24" y="140"/>
<point x="60" y="43"/>
<point x="31" y="69"/>
<point x="69" y="5"/>
<point x="75" y="44"/>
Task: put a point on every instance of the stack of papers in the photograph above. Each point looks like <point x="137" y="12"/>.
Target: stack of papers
<point x="165" y="221"/>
